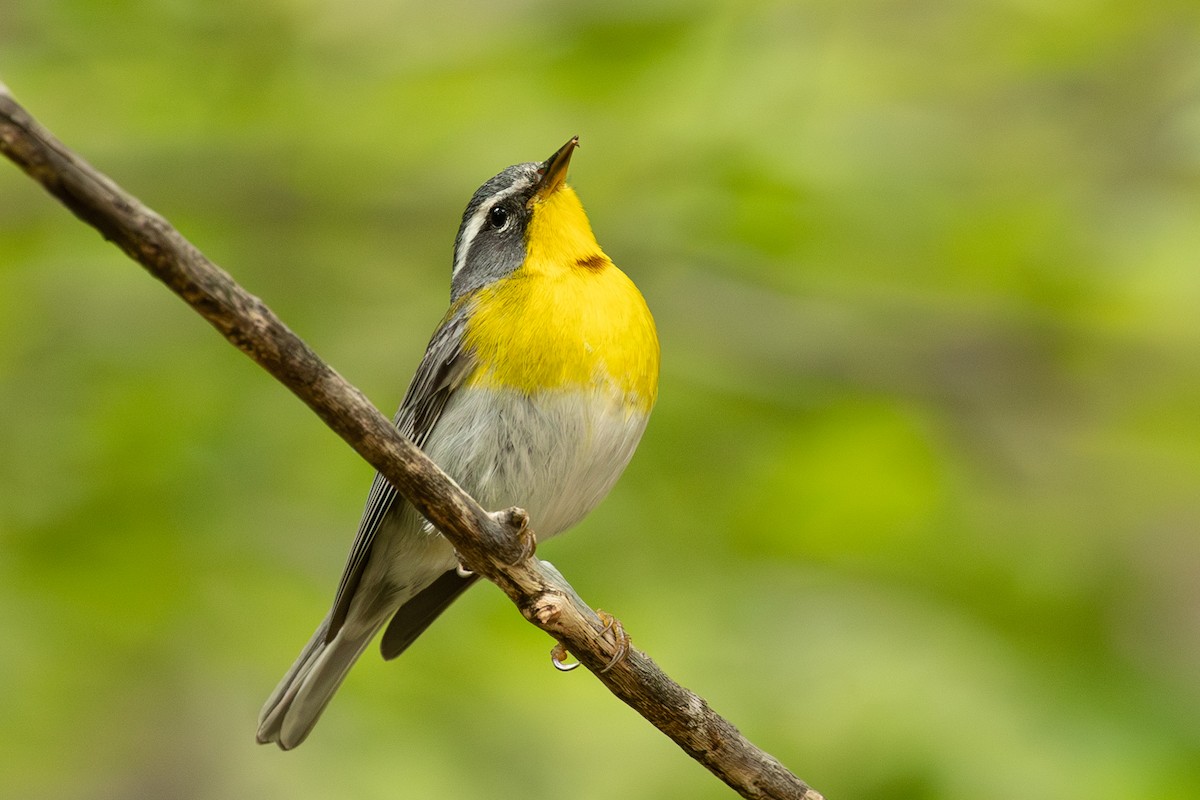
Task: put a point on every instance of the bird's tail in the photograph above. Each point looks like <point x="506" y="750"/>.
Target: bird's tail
<point x="297" y="702"/>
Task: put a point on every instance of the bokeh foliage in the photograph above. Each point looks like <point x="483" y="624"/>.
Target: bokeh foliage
<point x="919" y="507"/>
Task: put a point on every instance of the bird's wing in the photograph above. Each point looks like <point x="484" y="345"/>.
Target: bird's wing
<point x="419" y="612"/>
<point x="444" y="368"/>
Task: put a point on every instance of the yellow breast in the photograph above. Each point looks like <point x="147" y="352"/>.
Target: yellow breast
<point x="566" y="318"/>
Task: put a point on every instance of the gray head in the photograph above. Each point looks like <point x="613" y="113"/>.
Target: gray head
<point x="491" y="238"/>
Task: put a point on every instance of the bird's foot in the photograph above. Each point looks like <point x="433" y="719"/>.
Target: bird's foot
<point x="517" y="518"/>
<point x="621" y="641"/>
<point x="612" y="627"/>
<point x="559" y="656"/>
<point x="528" y="540"/>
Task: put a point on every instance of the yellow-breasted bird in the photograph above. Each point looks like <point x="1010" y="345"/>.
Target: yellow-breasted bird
<point x="534" y="392"/>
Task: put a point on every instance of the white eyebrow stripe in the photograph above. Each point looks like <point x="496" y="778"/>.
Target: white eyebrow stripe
<point x="476" y="224"/>
<point x="468" y="236"/>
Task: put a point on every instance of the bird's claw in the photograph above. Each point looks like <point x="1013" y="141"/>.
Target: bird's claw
<point x="621" y="645"/>
<point x="528" y="540"/>
<point x="621" y="640"/>
<point x="559" y="656"/>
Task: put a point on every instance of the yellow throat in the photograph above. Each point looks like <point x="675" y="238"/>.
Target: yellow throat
<point x="567" y="318"/>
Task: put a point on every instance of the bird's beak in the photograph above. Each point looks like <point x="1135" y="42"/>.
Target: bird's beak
<point x="554" y="171"/>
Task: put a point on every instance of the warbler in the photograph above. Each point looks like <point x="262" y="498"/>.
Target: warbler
<point x="534" y="392"/>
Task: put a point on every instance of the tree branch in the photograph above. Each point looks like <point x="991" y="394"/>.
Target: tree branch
<point x="489" y="544"/>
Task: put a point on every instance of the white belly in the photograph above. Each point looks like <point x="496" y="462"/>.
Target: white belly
<point x="556" y="459"/>
<point x="556" y="456"/>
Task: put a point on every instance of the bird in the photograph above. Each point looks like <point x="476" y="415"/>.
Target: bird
<point x="534" y="391"/>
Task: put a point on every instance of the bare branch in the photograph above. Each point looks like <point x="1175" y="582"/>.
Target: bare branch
<point x="487" y="543"/>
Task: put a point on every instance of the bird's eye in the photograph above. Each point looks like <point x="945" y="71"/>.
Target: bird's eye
<point x="498" y="217"/>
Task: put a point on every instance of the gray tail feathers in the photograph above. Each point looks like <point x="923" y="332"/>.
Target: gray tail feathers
<point x="297" y="702"/>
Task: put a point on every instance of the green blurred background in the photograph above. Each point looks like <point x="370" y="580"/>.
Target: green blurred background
<point x="919" y="506"/>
